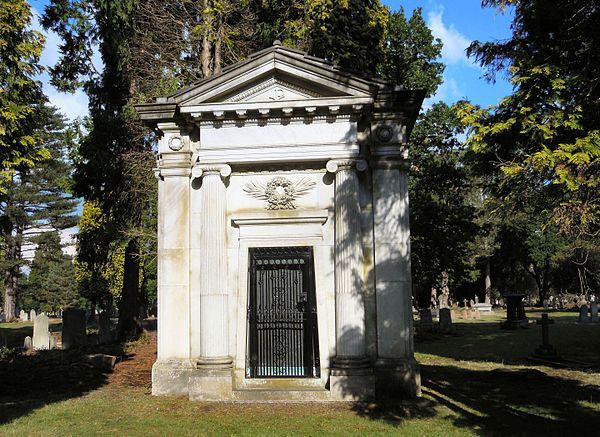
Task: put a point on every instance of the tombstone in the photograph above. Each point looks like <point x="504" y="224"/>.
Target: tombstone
<point x="73" y="329"/>
<point x="27" y="344"/>
<point x="465" y="313"/>
<point x="104" y="335"/>
<point x="52" y="342"/>
<point x="594" y="310"/>
<point x="515" y="311"/>
<point x="32" y="315"/>
<point x="583" y="314"/>
<point x="23" y="316"/>
<point x="476" y="299"/>
<point x="545" y="304"/>
<point x="445" y="324"/>
<point x="545" y="349"/>
<point x="426" y="320"/>
<point x="471" y="303"/>
<point x="41" y="332"/>
<point x="2" y="318"/>
<point x="476" y="314"/>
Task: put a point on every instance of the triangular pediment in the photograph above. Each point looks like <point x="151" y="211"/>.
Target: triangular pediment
<point x="273" y="90"/>
<point x="278" y="74"/>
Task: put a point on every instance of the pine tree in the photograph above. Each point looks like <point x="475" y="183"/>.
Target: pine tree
<point x="50" y="285"/>
<point x="36" y="199"/>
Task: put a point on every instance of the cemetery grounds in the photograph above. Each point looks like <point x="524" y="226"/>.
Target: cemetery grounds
<point x="477" y="380"/>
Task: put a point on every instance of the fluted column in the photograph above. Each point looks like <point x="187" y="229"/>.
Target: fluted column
<point x="349" y="281"/>
<point x="214" y="322"/>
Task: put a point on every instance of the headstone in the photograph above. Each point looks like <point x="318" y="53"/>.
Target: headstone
<point x="545" y="304"/>
<point x="73" y="329"/>
<point x="104" y="335"/>
<point x="41" y="333"/>
<point x="476" y="299"/>
<point x="2" y="318"/>
<point x="465" y="313"/>
<point x="23" y="316"/>
<point x="583" y="314"/>
<point x="445" y="320"/>
<point x="32" y="315"/>
<point x="594" y="310"/>
<point x="52" y="342"/>
<point x="546" y="349"/>
<point x="472" y="303"/>
<point x="476" y="314"/>
<point x="426" y="319"/>
<point x="27" y="344"/>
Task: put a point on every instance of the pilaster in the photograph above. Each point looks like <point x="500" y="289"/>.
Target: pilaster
<point x="396" y="369"/>
<point x="170" y="373"/>
<point x="351" y="376"/>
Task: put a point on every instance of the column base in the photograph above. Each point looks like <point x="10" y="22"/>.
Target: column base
<point x="351" y="379"/>
<point x="171" y="377"/>
<point x="397" y="378"/>
<point x="225" y="362"/>
<point x="211" y="384"/>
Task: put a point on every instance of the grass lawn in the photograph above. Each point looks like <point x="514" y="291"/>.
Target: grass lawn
<point x="476" y="381"/>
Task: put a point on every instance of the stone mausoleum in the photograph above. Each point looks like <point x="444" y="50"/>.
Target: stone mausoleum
<point x="283" y="234"/>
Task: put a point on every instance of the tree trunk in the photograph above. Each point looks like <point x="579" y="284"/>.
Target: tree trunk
<point x="11" y="273"/>
<point x="130" y="325"/>
<point x="545" y="280"/>
<point x="205" y="55"/>
<point x="488" y="281"/>
<point x="218" y="43"/>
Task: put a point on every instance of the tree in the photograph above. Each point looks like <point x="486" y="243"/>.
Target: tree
<point x="37" y="199"/>
<point x="547" y="130"/>
<point x="50" y="285"/>
<point x="410" y="53"/>
<point x="442" y="208"/>
<point x="349" y="33"/>
<point x="20" y="94"/>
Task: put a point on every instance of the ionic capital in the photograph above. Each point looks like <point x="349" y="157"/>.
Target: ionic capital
<point x="201" y="170"/>
<point x="335" y="165"/>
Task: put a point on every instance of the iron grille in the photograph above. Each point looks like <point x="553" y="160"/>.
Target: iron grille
<point x="282" y="314"/>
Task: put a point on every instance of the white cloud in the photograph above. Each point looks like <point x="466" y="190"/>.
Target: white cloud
<point x="71" y="105"/>
<point x="455" y="43"/>
<point x="67" y="239"/>
<point x="449" y="91"/>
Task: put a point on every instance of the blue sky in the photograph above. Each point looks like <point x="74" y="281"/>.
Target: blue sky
<point x="456" y="22"/>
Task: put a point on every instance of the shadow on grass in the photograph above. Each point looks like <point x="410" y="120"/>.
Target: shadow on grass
<point x="497" y="402"/>
<point x="30" y="381"/>
<point x="579" y="343"/>
<point x="513" y="402"/>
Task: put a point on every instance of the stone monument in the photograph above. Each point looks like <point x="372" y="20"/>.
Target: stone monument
<point x="73" y="329"/>
<point x="284" y="169"/>
<point x="41" y="332"/>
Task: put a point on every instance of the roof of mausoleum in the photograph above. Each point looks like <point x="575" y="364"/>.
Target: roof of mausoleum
<point x="310" y="84"/>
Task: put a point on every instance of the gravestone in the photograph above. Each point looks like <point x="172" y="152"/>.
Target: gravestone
<point x="73" y="331"/>
<point x="546" y="349"/>
<point x="23" y="316"/>
<point x="465" y="313"/>
<point x="515" y="311"/>
<point x="2" y="318"/>
<point x="594" y="310"/>
<point x="104" y="335"/>
<point x="445" y="324"/>
<point x="583" y="314"/>
<point x="27" y="344"/>
<point x="426" y="319"/>
<point x="32" y="315"/>
<point x="41" y="332"/>
<point x="52" y="342"/>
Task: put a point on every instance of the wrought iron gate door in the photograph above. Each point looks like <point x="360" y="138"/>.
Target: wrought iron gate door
<point x="282" y="314"/>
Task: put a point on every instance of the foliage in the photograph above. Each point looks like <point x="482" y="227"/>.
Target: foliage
<point x="37" y="198"/>
<point x="410" y="53"/>
<point x="441" y="192"/>
<point x="349" y="32"/>
<point x="50" y="284"/>
<point x="20" y="94"/>
<point x="547" y="130"/>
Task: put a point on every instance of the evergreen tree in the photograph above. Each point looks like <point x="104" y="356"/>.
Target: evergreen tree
<point x="410" y="53"/>
<point x="50" y="285"/>
<point x="20" y="94"/>
<point x="36" y="199"/>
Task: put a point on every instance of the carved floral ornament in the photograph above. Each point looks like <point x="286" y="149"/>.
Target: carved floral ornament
<point x="280" y="192"/>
